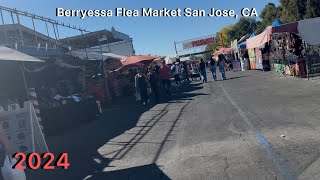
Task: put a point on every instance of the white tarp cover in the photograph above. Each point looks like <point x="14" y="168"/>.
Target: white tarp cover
<point x="8" y="54"/>
<point x="309" y="30"/>
<point x="170" y="59"/>
<point x="183" y="59"/>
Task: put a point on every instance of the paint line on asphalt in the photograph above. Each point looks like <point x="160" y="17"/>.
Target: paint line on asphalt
<point x="265" y="144"/>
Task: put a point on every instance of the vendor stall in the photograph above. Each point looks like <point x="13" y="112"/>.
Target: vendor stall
<point x="62" y="85"/>
<point x="295" y="48"/>
<point x="121" y="80"/>
<point x="257" y="46"/>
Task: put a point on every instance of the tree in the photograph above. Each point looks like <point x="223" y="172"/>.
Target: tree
<point x="293" y="10"/>
<point x="312" y="9"/>
<point x="268" y="15"/>
<point x="224" y="37"/>
<point x="213" y="47"/>
<point x="242" y="27"/>
<point x="260" y="27"/>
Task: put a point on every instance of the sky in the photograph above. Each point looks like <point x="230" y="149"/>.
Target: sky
<point x="151" y="35"/>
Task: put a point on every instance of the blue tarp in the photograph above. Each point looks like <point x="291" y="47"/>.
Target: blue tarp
<point x="276" y="23"/>
<point x="242" y="46"/>
<point x="252" y="35"/>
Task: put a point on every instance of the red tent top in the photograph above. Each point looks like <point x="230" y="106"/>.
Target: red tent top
<point x="136" y="59"/>
<point x="126" y="67"/>
<point x="223" y="51"/>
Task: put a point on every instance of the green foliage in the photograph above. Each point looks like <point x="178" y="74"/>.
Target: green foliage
<point x="288" y="11"/>
<point x="224" y="36"/>
<point x="242" y="27"/>
<point x="312" y="9"/>
<point x="293" y="10"/>
<point x="269" y="14"/>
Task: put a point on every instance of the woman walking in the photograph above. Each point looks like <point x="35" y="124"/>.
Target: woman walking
<point x="213" y="68"/>
<point x="154" y="81"/>
<point x="222" y="65"/>
<point x="141" y="85"/>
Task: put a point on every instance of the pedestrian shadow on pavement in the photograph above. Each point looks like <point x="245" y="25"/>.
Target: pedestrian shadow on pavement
<point x="147" y="172"/>
<point x="237" y="77"/>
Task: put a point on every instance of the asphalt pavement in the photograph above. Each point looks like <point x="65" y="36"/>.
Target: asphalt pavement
<point x="254" y="125"/>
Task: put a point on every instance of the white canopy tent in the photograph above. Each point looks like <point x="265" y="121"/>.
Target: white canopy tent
<point x="7" y="54"/>
<point x="167" y="59"/>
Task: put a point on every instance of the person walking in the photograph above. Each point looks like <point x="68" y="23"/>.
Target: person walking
<point x="222" y="65"/>
<point x="203" y="72"/>
<point x="185" y="71"/>
<point x="141" y="85"/>
<point x="176" y="72"/>
<point x="154" y="81"/>
<point x="213" y="68"/>
<point x="165" y="75"/>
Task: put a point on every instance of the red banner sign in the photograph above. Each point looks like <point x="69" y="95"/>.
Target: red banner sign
<point x="199" y="42"/>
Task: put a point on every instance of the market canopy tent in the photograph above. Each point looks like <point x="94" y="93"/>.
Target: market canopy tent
<point x="223" y="51"/>
<point x="8" y="54"/>
<point x="11" y="60"/>
<point x="260" y="39"/>
<point x="276" y="23"/>
<point x="243" y="45"/>
<point x="134" y="65"/>
<point x="289" y="27"/>
<point x="307" y="29"/>
<point x="135" y="59"/>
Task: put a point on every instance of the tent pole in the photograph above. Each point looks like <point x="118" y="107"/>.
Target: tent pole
<point x="24" y="80"/>
<point x="104" y="71"/>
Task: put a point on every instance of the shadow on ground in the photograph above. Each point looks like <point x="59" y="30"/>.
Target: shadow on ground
<point x="82" y="143"/>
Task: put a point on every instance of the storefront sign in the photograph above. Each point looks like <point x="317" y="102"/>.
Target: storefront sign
<point x="197" y="43"/>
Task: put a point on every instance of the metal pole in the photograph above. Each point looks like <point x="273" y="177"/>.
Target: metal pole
<point x="47" y="31"/>
<point x="57" y="42"/>
<point x="58" y="32"/>
<point x="15" y="32"/>
<point x="4" y="28"/>
<point x="85" y="47"/>
<point x="26" y="14"/>
<point x="34" y="30"/>
<point x="104" y="72"/>
<point x="20" y="31"/>
<point x="108" y="43"/>
<point x="175" y="47"/>
<point x="24" y="80"/>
